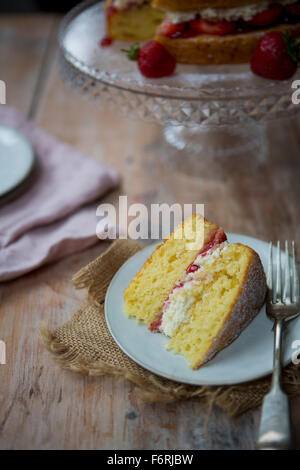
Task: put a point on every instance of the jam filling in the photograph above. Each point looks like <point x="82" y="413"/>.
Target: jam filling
<point x="216" y="239"/>
<point x="289" y="14"/>
<point x="106" y="41"/>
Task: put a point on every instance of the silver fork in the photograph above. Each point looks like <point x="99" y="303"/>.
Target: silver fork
<point x="275" y="427"/>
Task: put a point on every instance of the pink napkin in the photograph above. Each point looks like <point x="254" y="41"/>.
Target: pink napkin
<point x="48" y="221"/>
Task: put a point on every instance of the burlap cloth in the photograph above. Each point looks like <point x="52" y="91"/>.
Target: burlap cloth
<point x="84" y="345"/>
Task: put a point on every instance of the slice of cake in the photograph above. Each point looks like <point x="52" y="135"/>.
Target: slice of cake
<point x="201" y="298"/>
<point x="132" y="20"/>
<point x="222" y="31"/>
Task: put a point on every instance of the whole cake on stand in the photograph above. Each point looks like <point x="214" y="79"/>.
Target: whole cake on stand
<point x="215" y="111"/>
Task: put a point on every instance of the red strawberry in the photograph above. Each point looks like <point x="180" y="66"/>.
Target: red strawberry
<point x="219" y="28"/>
<point x="167" y="28"/>
<point x="155" y="61"/>
<point x="275" y="57"/>
<point x="293" y="9"/>
<point x="266" y="17"/>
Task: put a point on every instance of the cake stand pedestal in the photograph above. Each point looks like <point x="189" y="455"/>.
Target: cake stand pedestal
<point x="213" y="116"/>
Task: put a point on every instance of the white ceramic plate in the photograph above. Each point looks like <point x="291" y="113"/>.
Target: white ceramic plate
<point x="247" y="358"/>
<point x="16" y="159"/>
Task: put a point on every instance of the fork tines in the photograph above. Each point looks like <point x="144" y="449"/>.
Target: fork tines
<point x="290" y="292"/>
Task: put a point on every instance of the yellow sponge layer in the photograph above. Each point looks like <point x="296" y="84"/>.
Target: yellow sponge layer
<point x="215" y="296"/>
<point x="135" y="24"/>
<point x="145" y="295"/>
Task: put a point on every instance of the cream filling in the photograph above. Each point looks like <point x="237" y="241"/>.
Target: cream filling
<point x="246" y="12"/>
<point x="122" y="4"/>
<point x="175" y="309"/>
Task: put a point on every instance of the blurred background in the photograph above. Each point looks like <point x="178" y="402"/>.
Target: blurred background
<point x="27" y="6"/>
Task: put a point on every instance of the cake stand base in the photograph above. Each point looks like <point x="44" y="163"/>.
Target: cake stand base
<point x="216" y="151"/>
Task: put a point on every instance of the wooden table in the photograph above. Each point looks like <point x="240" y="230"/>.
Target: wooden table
<point x="43" y="407"/>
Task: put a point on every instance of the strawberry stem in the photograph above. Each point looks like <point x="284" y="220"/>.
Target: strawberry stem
<point x="132" y="52"/>
<point x="292" y="46"/>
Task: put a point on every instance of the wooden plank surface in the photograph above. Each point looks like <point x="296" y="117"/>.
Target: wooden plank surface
<point x="43" y="407"/>
<point x="24" y="42"/>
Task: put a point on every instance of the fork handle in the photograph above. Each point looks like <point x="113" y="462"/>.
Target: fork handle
<point x="275" y="427"/>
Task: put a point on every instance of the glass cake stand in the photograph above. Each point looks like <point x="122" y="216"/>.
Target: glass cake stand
<point x="207" y="112"/>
